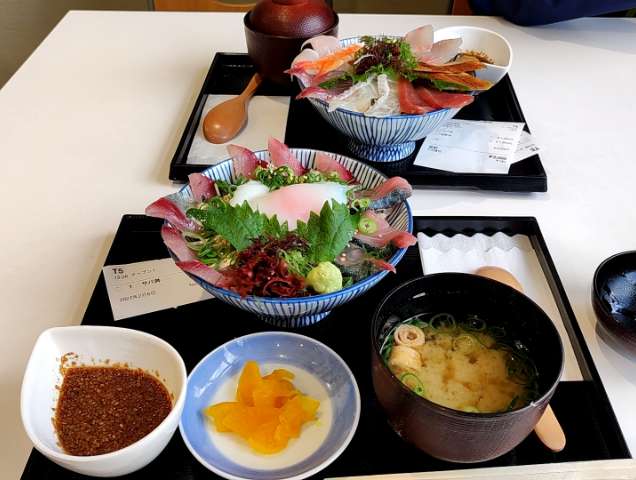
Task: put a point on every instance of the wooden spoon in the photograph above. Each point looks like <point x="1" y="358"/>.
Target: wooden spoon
<point x="548" y="429"/>
<point x="223" y="122"/>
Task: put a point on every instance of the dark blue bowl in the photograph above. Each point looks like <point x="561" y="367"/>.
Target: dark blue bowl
<point x="614" y="297"/>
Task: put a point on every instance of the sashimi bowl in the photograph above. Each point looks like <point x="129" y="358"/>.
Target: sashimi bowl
<point x="287" y="311"/>
<point x="387" y="135"/>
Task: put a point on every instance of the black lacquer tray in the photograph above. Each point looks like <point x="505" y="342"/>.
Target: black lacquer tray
<point x="230" y="73"/>
<point x="194" y="330"/>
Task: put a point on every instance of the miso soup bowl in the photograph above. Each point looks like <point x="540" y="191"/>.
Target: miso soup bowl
<point x="454" y="435"/>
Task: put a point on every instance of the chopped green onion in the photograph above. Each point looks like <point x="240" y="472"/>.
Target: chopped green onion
<point x="367" y="226"/>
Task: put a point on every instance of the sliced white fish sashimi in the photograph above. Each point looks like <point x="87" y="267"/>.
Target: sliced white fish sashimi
<point x="358" y="98"/>
<point x="442" y="52"/>
<point x="296" y="202"/>
<point x="323" y="44"/>
<point x="388" y="102"/>
<point x="420" y="40"/>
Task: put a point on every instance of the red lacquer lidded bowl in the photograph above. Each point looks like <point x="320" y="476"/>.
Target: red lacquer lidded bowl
<point x="276" y="29"/>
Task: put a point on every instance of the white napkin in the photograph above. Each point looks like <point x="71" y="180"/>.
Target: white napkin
<point x="267" y="117"/>
<point x="464" y="254"/>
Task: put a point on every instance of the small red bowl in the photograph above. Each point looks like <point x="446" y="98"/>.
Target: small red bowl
<point x="273" y="54"/>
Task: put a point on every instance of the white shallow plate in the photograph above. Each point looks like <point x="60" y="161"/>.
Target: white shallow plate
<point x="319" y="371"/>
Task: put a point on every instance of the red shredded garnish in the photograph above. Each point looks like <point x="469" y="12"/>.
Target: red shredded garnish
<point x="259" y="270"/>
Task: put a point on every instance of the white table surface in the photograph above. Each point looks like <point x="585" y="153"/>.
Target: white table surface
<point x="89" y="124"/>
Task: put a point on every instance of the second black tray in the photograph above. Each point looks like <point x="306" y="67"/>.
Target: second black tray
<point x="230" y="73"/>
<point x="194" y="330"/>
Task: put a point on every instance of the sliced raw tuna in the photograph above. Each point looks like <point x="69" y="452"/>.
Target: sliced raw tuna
<point x="166" y="209"/>
<point x="438" y="99"/>
<point x="410" y="102"/>
<point x="175" y="242"/>
<point x="420" y="40"/>
<point x="391" y="192"/>
<point x="244" y="161"/>
<point x="204" y="272"/>
<point x="384" y="233"/>
<point x="325" y="163"/>
<point x="202" y="187"/>
<point x="281" y="156"/>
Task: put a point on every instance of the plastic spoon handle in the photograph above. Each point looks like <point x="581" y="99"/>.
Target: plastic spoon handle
<point x="223" y="122"/>
<point x="549" y="431"/>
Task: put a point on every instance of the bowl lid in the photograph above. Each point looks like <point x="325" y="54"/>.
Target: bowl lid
<point x="293" y="18"/>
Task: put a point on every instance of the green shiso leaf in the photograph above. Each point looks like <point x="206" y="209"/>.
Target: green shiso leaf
<point x="328" y="233"/>
<point x="239" y="224"/>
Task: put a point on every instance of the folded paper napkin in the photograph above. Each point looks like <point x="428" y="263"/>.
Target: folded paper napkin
<point x="464" y="254"/>
<point x="267" y="117"/>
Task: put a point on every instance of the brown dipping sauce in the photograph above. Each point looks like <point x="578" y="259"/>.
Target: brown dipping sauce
<point x="103" y="409"/>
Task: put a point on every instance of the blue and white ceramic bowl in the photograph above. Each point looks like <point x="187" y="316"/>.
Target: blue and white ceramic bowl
<point x="319" y="372"/>
<point x="381" y="139"/>
<point x="302" y="311"/>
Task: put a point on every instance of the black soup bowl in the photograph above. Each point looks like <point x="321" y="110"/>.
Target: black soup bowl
<point x="614" y="297"/>
<point x="449" y="434"/>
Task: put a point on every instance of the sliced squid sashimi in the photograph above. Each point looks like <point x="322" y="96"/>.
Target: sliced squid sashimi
<point x="202" y="187"/>
<point x="442" y="52"/>
<point x="358" y="98"/>
<point x="325" y="163"/>
<point x="204" y="272"/>
<point x="410" y="102"/>
<point x="438" y="99"/>
<point x="420" y="40"/>
<point x="281" y="156"/>
<point x="392" y="191"/>
<point x="388" y="102"/>
<point x="323" y="44"/>
<point x="173" y="239"/>
<point x="248" y="191"/>
<point x="384" y="233"/>
<point x="244" y="161"/>
<point x="166" y="209"/>
<point x="295" y="202"/>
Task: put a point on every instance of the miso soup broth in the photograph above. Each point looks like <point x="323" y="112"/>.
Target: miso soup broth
<point x="461" y="362"/>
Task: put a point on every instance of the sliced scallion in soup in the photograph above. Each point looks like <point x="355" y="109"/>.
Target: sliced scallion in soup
<point x="461" y="362"/>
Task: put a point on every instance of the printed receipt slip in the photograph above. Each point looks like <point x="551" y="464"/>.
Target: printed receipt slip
<point x="145" y="287"/>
